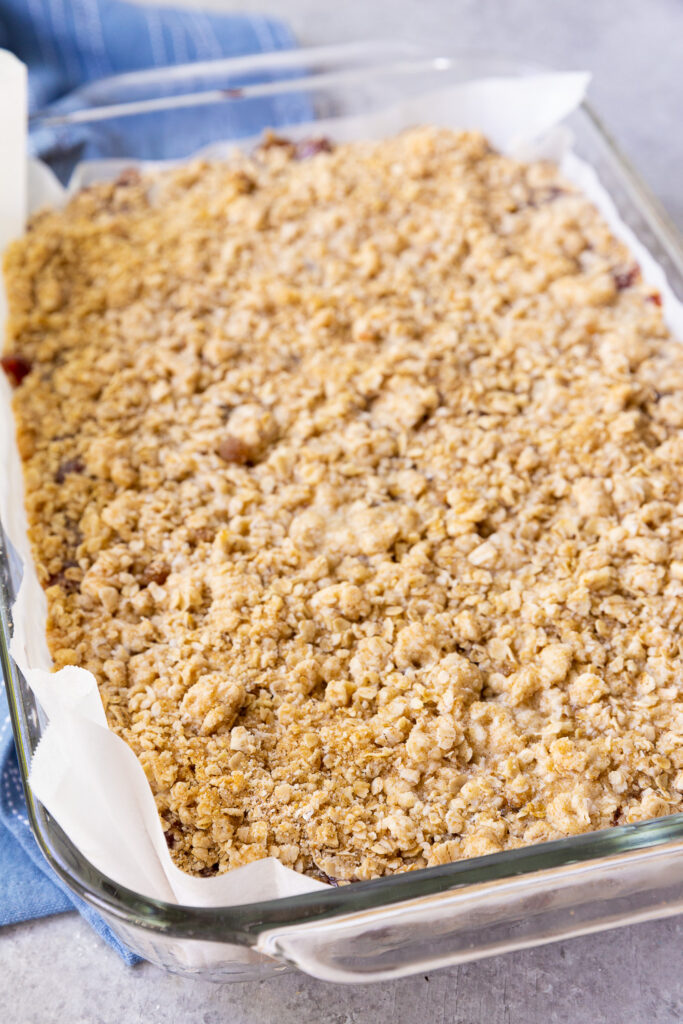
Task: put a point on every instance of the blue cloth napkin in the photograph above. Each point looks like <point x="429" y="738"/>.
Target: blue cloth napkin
<point x="28" y="887"/>
<point x="64" y="46"/>
<point x="67" y="45"/>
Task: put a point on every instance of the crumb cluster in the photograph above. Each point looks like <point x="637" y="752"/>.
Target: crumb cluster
<point x="355" y="476"/>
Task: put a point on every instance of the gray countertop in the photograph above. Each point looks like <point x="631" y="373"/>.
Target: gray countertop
<point x="59" y="970"/>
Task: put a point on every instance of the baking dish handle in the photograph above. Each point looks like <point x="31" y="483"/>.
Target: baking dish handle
<point x="465" y="924"/>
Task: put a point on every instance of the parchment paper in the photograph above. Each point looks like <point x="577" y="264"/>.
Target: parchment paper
<point x="87" y="777"/>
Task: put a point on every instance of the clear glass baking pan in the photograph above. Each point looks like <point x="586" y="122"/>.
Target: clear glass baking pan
<point x="431" y="917"/>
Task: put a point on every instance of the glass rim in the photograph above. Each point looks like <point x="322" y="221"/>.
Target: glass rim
<point x="313" y="67"/>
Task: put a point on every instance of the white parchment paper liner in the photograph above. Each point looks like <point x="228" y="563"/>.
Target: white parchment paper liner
<point x="87" y="777"/>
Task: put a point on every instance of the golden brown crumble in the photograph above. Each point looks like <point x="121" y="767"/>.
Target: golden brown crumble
<point x="357" y="483"/>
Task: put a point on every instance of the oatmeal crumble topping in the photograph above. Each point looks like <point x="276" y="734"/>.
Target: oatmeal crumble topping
<point x="355" y="477"/>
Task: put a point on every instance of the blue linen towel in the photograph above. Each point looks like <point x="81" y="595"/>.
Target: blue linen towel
<point x="67" y="45"/>
<point x="64" y="46"/>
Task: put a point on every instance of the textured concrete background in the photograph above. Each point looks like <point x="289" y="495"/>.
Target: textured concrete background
<point x="59" y="971"/>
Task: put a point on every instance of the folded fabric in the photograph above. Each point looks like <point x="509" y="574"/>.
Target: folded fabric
<point x="66" y="45"/>
<point x="28" y="887"/>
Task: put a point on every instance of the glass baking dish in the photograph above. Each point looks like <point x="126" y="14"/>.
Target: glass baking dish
<point x="432" y="917"/>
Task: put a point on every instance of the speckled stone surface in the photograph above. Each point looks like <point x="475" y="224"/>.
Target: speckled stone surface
<point x="58" y="970"/>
